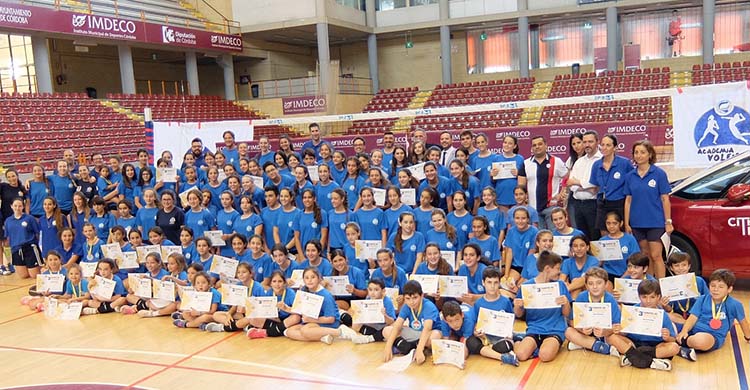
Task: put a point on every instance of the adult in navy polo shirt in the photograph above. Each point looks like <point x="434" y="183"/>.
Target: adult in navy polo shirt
<point x="609" y="175"/>
<point x="315" y="140"/>
<point x="542" y="175"/>
<point x="647" y="209"/>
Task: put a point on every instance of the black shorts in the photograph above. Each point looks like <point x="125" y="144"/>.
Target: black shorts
<point x="27" y="256"/>
<point x="611" y="277"/>
<point x="648" y="234"/>
<point x="517" y="268"/>
<point x="539" y="338"/>
<point x="605" y="206"/>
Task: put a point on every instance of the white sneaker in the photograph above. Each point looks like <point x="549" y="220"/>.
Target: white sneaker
<point x="624" y="362"/>
<point x="89" y="311"/>
<point x="327" y="339"/>
<point x="214" y="327"/>
<point x="347" y="333"/>
<point x="613" y="351"/>
<point x="661" y="364"/>
<point x="363" y="339"/>
<point x="147" y="313"/>
<point x="573" y="347"/>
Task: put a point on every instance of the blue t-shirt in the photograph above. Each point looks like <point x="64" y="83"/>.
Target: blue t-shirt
<point x="199" y="221"/>
<point x="530" y="270"/>
<point x="463" y="227"/>
<point x="424" y="269"/>
<point x="78" y="289"/>
<point x="647" y="210"/>
<point x="611" y="183"/>
<point x="444" y="189"/>
<point x="441" y="238"/>
<point x="389" y="282"/>
<point x="483" y="166"/>
<point x="614" y="306"/>
<point x="496" y="218"/>
<point x="683" y="306"/>
<point x="329" y="308"/>
<point x="337" y="229"/>
<point x="75" y="249"/>
<point x="225" y="222"/>
<point x="472" y="190"/>
<point x="21" y="231"/>
<point x="473" y="280"/>
<point x="415" y="319"/>
<point x="467" y="326"/>
<point x="287" y="297"/>
<point x="423" y="219"/>
<point x="370" y="223"/>
<point x="325" y="267"/>
<point x="190" y="253"/>
<point x="357" y="279"/>
<point x="546" y="321"/>
<point x="146" y="218"/>
<point x="308" y="227"/>
<point x="129" y="224"/>
<point x="500" y="304"/>
<point x="246" y="225"/>
<point x="407" y="256"/>
<point x="48" y="231"/>
<point x="63" y="189"/>
<point x="269" y="217"/>
<point x="628" y="245"/>
<point x="323" y="194"/>
<point x="92" y="252"/>
<point x="37" y="192"/>
<point x="489" y="247"/>
<point x="299" y="190"/>
<point x="520" y="242"/>
<point x="215" y="193"/>
<point x="391" y="217"/>
<point x="570" y="267"/>
<point x="352" y="187"/>
<point x="261" y="265"/>
<point x="102" y="224"/>
<point x="728" y="311"/>
<point x="285" y="223"/>
<point x="505" y="187"/>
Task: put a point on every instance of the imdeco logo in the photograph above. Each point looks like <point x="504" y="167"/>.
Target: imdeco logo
<point x="79" y="20"/>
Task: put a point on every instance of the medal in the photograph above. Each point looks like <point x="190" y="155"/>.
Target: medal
<point x="416" y="324"/>
<point x="715" y="322"/>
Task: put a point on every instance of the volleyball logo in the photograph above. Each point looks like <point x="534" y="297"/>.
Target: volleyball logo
<point x="724" y="124"/>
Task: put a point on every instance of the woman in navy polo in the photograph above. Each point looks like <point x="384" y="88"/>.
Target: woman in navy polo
<point x="609" y="174"/>
<point x="647" y="208"/>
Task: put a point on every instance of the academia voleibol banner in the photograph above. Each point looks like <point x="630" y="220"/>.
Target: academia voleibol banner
<point x="711" y="123"/>
<point x="26" y="17"/>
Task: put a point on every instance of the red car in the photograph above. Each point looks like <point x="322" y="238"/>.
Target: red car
<point x="711" y="217"/>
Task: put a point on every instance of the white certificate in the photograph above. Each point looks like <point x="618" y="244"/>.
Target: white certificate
<point x="215" y="237"/>
<point x="417" y="171"/>
<point x="196" y="300"/>
<point x="561" y="245"/>
<point x="140" y="285"/>
<point x="379" y="195"/>
<point x="628" y="289"/>
<point x="450" y="257"/>
<point x="312" y="172"/>
<point x="592" y="315"/>
<point x="129" y="260"/>
<point x="113" y="251"/>
<point x="642" y="320"/>
<point x="398" y="364"/>
<point x="261" y="307"/>
<point x="540" y="295"/>
<point x="409" y="196"/>
<point x="184" y="195"/>
<point x="367" y="249"/>
<point x="54" y="283"/>
<point x="88" y="269"/>
<point x="495" y="323"/>
<point x="145" y="250"/>
<point x="606" y="250"/>
<point x="337" y="285"/>
<point x="429" y="283"/>
<point x="166" y="175"/>
<point x="104" y="288"/>
<point x="224" y="266"/>
<point x="392" y="292"/>
<point x="504" y="169"/>
<point x="233" y="295"/>
<point x="453" y="286"/>
<point x="57" y="310"/>
<point x="182" y="290"/>
<point x="449" y="352"/>
<point x="296" y="278"/>
<point x="167" y="250"/>
<point x="367" y="311"/>
<point x="257" y="181"/>
<point x="307" y="304"/>
<point x="163" y="289"/>
<point x="222" y="174"/>
<point x="679" y="287"/>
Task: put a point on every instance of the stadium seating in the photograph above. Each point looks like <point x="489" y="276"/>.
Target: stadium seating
<point x="481" y="92"/>
<point x="39" y="127"/>
<point x="630" y="80"/>
<point x="391" y="99"/>
<point x="721" y="73"/>
<point x="651" y="110"/>
<point x="474" y="121"/>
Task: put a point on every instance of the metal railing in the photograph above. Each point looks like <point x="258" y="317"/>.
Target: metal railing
<point x="301" y="86"/>
<point x="162" y="87"/>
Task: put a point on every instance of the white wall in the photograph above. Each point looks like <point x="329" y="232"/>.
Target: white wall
<point x="408" y="15"/>
<point x="541" y="4"/>
<point x="251" y="12"/>
<point x="466" y="8"/>
<point x="344" y="13"/>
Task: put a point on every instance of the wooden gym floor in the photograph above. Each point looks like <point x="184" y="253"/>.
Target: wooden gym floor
<point x="126" y="351"/>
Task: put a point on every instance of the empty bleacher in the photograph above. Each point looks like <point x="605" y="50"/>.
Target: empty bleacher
<point x="481" y="92"/>
<point x="650" y="110"/>
<point x="391" y="99"/>
<point x="475" y="121"/>
<point x="39" y="127"/>
<point x="630" y="80"/>
<point x="721" y="73"/>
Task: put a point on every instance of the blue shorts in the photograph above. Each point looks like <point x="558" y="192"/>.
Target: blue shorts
<point x="648" y="234"/>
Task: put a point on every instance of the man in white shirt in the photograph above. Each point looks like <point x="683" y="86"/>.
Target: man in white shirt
<point x="448" y="151"/>
<point x="583" y="193"/>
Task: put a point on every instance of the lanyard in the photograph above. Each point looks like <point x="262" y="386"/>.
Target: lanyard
<point x="715" y="313"/>
<point x="419" y="311"/>
<point x="78" y="294"/>
<point x="283" y="295"/>
<point x="600" y="300"/>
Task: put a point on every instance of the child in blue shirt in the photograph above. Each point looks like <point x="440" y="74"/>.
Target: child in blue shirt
<point x="519" y="243"/>
<point x="545" y="331"/>
<point x="193" y="318"/>
<point x="234" y="318"/>
<point x="574" y="267"/>
<point x="651" y="351"/>
<point x="275" y="327"/>
<point x="679" y="311"/>
<point x="458" y="323"/>
<point x="422" y="319"/>
<point x="407" y="244"/>
<point x="357" y="287"/>
<point x="712" y="316"/>
<point x="369" y="333"/>
<point x="106" y="268"/>
<point x="482" y="238"/>
<point x="628" y="245"/>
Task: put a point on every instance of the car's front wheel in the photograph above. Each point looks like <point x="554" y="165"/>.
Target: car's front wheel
<point x="684" y="245"/>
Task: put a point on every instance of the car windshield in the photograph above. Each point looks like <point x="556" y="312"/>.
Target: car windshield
<point x="714" y="185"/>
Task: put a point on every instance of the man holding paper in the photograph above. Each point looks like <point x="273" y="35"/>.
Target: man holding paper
<point x="584" y="193"/>
<point x="546" y="302"/>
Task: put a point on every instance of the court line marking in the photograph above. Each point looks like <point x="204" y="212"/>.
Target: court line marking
<point x="19" y="317"/>
<point x="742" y="376"/>
<point x="184" y="359"/>
<point x="75" y="383"/>
<point x="15" y="288"/>
<point x="59" y="351"/>
<point x="527" y="374"/>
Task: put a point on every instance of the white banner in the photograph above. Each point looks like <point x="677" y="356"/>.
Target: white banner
<point x="177" y="136"/>
<point x="711" y="123"/>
